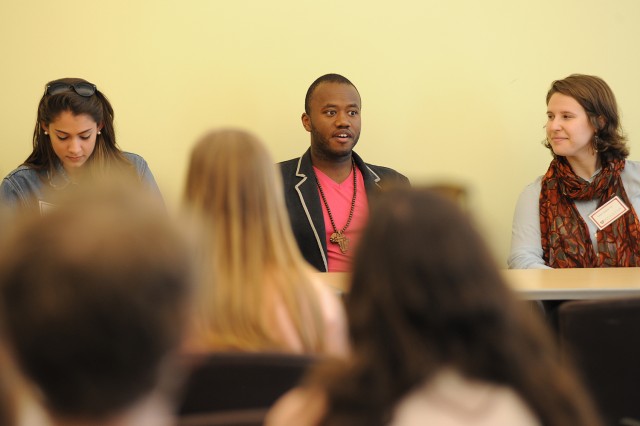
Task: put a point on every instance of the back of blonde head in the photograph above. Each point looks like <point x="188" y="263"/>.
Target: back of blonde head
<point x="233" y="185"/>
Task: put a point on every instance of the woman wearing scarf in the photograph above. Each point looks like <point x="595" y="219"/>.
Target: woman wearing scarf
<point x="583" y="212"/>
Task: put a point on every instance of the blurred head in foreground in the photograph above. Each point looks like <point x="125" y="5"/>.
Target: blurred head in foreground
<point x="94" y="297"/>
<point x="427" y="298"/>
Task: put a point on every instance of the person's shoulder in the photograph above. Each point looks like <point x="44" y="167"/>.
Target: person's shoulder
<point x="384" y="172"/>
<point x="531" y="192"/>
<point x="328" y="296"/>
<point x="300" y="406"/>
<point x="138" y="162"/>
<point x="289" y="164"/>
<point x="631" y="178"/>
<point x="292" y="170"/>
<point x="20" y="173"/>
<point x="493" y="404"/>
<point x="632" y="166"/>
<point x="295" y="162"/>
<point x="21" y="184"/>
<point x="293" y="165"/>
<point x="382" y="169"/>
<point x="21" y="170"/>
<point x="537" y="182"/>
<point x="134" y="158"/>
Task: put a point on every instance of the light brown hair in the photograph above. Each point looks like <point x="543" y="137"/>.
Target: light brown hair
<point x="599" y="102"/>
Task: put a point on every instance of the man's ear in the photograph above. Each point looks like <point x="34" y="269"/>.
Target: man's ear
<point x="306" y="122"/>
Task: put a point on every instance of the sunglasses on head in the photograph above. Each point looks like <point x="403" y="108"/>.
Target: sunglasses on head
<point x="82" y="89"/>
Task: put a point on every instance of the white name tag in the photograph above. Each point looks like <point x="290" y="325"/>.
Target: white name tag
<point x="608" y="212"/>
<point x="46" y="207"/>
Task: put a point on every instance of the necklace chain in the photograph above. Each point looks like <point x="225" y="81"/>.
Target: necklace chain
<point x="338" y="236"/>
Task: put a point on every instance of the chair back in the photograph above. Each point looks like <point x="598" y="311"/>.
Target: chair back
<point x="246" y="417"/>
<point x="239" y="385"/>
<point x="602" y="337"/>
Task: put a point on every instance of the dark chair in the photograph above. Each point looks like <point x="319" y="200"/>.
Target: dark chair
<point x="238" y="386"/>
<point x="602" y="337"/>
<point x="247" y="417"/>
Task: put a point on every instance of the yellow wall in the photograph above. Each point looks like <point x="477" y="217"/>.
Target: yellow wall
<point x="452" y="90"/>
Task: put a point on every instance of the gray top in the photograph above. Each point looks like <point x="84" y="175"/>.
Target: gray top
<point x="28" y="188"/>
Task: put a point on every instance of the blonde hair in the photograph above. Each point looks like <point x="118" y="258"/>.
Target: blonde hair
<point x="234" y="188"/>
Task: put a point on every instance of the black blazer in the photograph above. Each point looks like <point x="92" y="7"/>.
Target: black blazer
<point x="305" y="206"/>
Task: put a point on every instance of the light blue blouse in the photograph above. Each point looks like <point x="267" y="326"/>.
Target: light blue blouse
<point x="526" y="245"/>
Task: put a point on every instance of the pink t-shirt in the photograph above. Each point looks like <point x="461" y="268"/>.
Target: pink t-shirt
<point x="339" y="196"/>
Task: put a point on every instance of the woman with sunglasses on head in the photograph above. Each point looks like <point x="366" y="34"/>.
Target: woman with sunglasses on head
<point x="583" y="212"/>
<point x="73" y="140"/>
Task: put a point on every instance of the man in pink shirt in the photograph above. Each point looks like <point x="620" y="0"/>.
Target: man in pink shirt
<point x="327" y="189"/>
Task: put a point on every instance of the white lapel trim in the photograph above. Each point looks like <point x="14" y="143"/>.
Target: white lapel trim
<point x="306" y="211"/>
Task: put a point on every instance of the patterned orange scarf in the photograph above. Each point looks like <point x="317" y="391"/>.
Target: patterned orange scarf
<point x="565" y="235"/>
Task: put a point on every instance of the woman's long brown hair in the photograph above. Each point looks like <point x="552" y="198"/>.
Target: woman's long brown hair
<point x="426" y="295"/>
